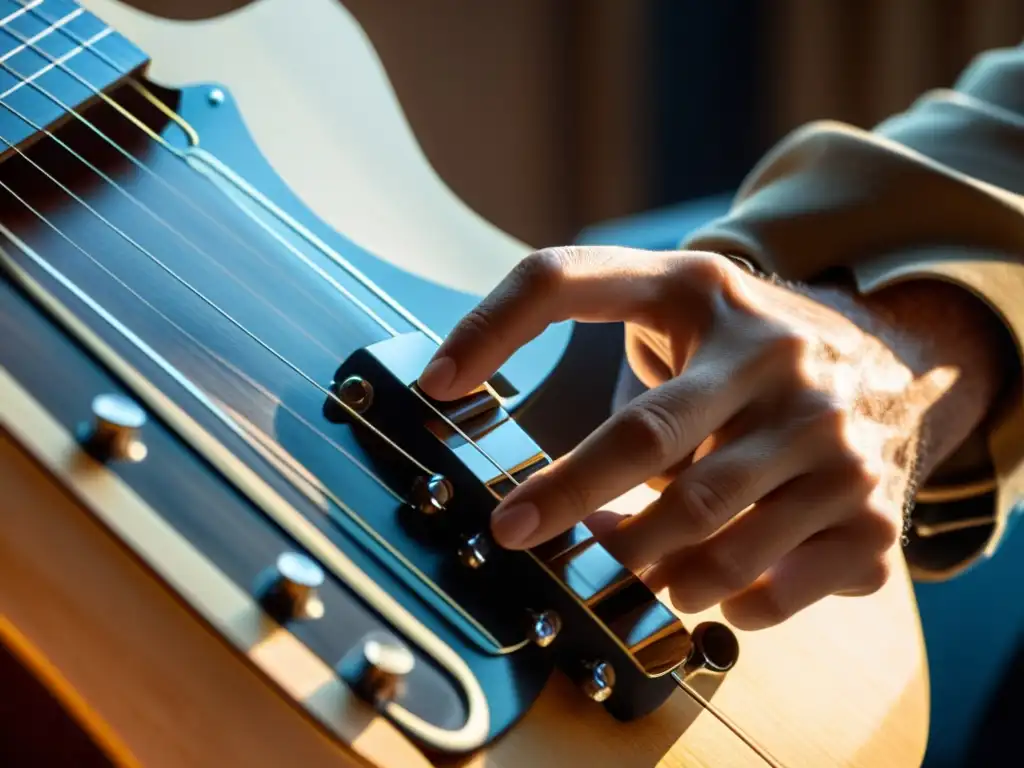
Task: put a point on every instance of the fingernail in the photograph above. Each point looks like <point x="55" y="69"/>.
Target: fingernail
<point x="513" y="525"/>
<point x="438" y="376"/>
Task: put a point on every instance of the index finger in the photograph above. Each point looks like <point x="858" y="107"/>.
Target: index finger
<point x="654" y="432"/>
<point x="549" y="286"/>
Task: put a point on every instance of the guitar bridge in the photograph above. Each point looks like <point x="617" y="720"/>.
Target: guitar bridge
<point x="600" y="623"/>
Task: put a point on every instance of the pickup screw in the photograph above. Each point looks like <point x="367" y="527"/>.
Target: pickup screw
<point x="215" y="97"/>
<point x="431" y="494"/>
<point x="355" y="392"/>
<point x="600" y="680"/>
<point x="544" y="627"/>
<point x="474" y="551"/>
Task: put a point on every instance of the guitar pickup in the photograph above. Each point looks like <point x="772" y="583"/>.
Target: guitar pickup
<point x="611" y="633"/>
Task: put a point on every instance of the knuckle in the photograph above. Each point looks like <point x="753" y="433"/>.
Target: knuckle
<point x="706" y="508"/>
<point x="772" y="605"/>
<point x="700" y="280"/>
<point x="879" y="527"/>
<point x="649" y="429"/>
<point x="542" y="271"/>
<point x="722" y="566"/>
<point x="875" y="575"/>
<point x="781" y="354"/>
<point x="827" y="427"/>
<point x="707" y="271"/>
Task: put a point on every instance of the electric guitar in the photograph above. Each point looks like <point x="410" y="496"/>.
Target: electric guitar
<point x="234" y="533"/>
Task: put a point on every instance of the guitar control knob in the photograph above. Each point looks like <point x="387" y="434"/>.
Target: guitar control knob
<point x="377" y="669"/>
<point x="288" y="590"/>
<point x="113" y="433"/>
<point x="599" y="680"/>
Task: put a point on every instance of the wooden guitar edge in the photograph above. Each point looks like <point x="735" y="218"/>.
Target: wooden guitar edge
<point x="141" y="673"/>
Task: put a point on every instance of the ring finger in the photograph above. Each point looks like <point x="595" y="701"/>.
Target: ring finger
<point x="708" y="494"/>
<point x="733" y="559"/>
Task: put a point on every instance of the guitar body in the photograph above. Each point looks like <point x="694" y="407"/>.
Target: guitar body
<point x="266" y="216"/>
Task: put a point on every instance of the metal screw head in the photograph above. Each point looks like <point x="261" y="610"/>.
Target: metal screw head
<point x="544" y="627"/>
<point x="432" y="494"/>
<point x="113" y="433"/>
<point x="355" y="392"/>
<point x="600" y="681"/>
<point x="288" y="591"/>
<point x="216" y="97"/>
<point x="377" y="670"/>
<point x="475" y="550"/>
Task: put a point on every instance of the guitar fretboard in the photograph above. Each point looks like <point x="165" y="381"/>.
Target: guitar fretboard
<point x="54" y="56"/>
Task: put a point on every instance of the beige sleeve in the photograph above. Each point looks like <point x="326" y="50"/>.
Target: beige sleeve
<point x="932" y="192"/>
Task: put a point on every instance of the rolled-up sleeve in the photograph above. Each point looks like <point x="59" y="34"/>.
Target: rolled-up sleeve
<point x="934" y="192"/>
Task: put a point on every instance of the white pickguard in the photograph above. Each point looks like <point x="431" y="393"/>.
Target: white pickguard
<point x="319" y="105"/>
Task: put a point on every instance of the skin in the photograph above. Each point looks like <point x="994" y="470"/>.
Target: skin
<point x="783" y="424"/>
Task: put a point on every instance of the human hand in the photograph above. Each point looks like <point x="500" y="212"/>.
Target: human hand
<point x="784" y="434"/>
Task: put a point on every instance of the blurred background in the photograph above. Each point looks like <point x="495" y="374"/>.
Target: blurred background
<point x="547" y="116"/>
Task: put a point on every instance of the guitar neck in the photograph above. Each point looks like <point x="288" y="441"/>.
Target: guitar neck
<point x="55" y="56"/>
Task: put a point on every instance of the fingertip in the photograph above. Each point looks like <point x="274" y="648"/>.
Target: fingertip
<point x="437" y="378"/>
<point x="513" y="526"/>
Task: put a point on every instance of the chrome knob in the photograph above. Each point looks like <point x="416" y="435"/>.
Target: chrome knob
<point x="544" y="627"/>
<point x="113" y="433"/>
<point x="289" y="590"/>
<point x="377" y="669"/>
<point x="599" y="681"/>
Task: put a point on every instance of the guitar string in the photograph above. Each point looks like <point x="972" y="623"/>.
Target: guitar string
<point x="347" y="266"/>
<point x="680" y="682"/>
<point x="498" y="648"/>
<point x="199" y="294"/>
<point x="358" y="519"/>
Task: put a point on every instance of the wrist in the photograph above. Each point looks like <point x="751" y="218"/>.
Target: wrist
<point x="932" y="325"/>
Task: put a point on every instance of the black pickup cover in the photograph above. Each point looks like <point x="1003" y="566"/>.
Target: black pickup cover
<point x="607" y="613"/>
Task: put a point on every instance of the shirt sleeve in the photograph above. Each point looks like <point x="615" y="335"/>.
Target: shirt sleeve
<point x="933" y="192"/>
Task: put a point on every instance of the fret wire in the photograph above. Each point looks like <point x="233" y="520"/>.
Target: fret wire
<point x="86" y="44"/>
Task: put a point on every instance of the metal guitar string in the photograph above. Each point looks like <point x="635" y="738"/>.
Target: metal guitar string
<point x="352" y="271"/>
<point x="346" y="265"/>
<point x="497" y="646"/>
